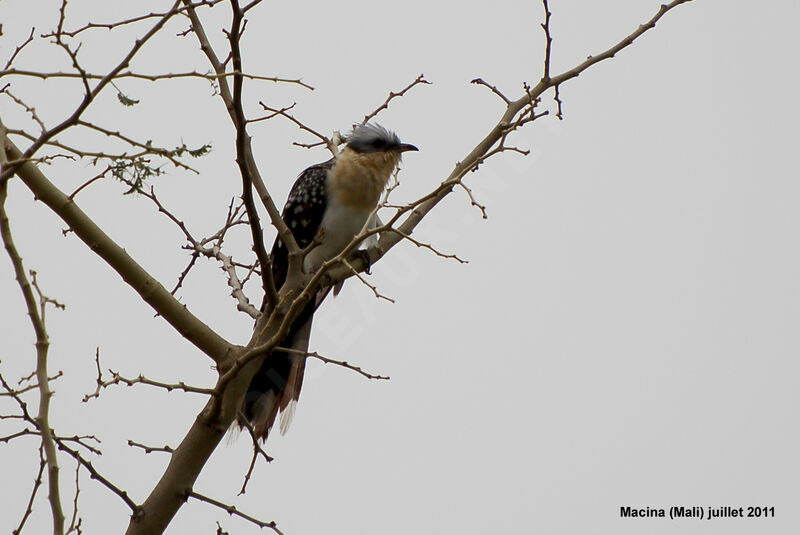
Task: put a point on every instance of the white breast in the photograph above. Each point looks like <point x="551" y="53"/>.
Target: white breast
<point x="340" y="224"/>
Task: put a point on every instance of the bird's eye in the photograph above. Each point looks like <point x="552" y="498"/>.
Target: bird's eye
<point x="378" y="143"/>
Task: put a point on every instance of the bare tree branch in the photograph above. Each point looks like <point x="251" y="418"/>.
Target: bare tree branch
<point x="324" y="140"/>
<point x="37" y="318"/>
<point x="37" y="482"/>
<point x="250" y="175"/>
<point x="154" y="77"/>
<point x="150" y="449"/>
<point x="392" y="95"/>
<point x="18" y="50"/>
<point x="116" y="379"/>
<point x="189" y="326"/>
<point x="75" y="522"/>
<point x="91" y="93"/>
<point x="97" y="476"/>
<point x="233" y="511"/>
<point x="132" y="20"/>
<point x="258" y="451"/>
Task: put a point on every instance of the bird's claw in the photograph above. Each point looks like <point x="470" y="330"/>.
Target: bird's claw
<point x="363" y="254"/>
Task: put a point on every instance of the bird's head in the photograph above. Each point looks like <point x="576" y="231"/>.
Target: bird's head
<point x="373" y="138"/>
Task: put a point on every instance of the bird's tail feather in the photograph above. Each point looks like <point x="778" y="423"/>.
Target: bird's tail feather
<point x="276" y="385"/>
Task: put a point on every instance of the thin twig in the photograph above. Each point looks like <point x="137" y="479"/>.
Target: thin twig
<point x="430" y="247"/>
<point x="113" y="25"/>
<point x="19" y="49"/>
<point x="150" y="449"/>
<point x="90" y="181"/>
<point x="87" y="465"/>
<point x="367" y="284"/>
<point x="326" y="360"/>
<point x="37" y="317"/>
<point x="324" y="140"/>
<point x="233" y="511"/>
<point x="37" y="482"/>
<point x="392" y="95"/>
<point x="75" y="522"/>
<point x="480" y="81"/>
<point x="548" y="40"/>
<point x="258" y="451"/>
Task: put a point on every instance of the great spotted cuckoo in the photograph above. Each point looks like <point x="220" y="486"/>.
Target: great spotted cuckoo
<point x="333" y="199"/>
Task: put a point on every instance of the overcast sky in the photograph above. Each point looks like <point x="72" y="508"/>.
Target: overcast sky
<point x="624" y="334"/>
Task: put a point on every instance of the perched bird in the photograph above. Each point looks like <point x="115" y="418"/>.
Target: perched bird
<point x="336" y="198"/>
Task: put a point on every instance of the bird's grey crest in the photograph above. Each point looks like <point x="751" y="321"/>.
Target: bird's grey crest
<point x="373" y="138"/>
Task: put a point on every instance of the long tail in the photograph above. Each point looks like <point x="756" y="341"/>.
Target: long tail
<point x="276" y="386"/>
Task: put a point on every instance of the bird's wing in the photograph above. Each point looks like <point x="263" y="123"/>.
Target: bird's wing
<point x="302" y="213"/>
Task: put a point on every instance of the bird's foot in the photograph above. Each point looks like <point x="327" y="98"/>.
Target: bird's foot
<point x="363" y="254"/>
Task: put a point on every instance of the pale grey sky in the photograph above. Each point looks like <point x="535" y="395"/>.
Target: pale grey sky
<point x="625" y="332"/>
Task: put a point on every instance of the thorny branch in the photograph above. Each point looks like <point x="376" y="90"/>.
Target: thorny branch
<point x="19" y="49"/>
<point x="331" y="144"/>
<point x="343" y="364"/>
<point x="153" y="77"/>
<point x="97" y="476"/>
<point x="61" y="443"/>
<point x="75" y="522"/>
<point x="150" y="290"/>
<point x="250" y="175"/>
<point x="31" y="110"/>
<point x="91" y="92"/>
<point x="547" y="53"/>
<point x="233" y="511"/>
<point x="429" y="247"/>
<point x="132" y="20"/>
<point x="116" y="379"/>
<point x="364" y="281"/>
<point x="392" y="95"/>
<point x="37" y="482"/>
<point x="37" y="317"/>
<point x="201" y="247"/>
<point x="258" y="451"/>
<point x="122" y="161"/>
<point x="150" y="449"/>
<point x="247" y="170"/>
